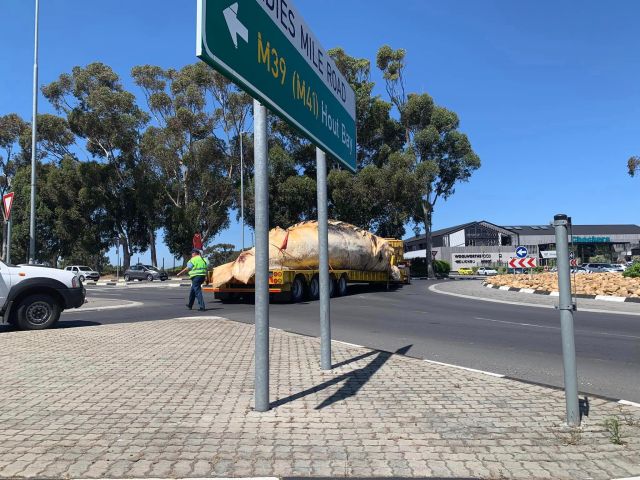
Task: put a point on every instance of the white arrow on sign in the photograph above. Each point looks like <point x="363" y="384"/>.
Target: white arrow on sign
<point x="235" y="26"/>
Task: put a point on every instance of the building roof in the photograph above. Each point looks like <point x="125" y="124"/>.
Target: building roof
<point x="440" y="232"/>
<point x="629" y="229"/>
<point x="446" y="231"/>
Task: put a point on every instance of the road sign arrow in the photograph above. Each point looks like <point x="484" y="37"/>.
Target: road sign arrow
<point x="236" y="28"/>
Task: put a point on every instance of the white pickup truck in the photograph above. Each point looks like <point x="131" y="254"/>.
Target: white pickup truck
<point x="33" y="297"/>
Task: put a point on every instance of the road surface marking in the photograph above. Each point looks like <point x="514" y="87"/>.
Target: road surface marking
<point x="556" y="328"/>
<point x="433" y="288"/>
<point x="465" y="368"/>
<point x="108" y="307"/>
<point x="348" y="344"/>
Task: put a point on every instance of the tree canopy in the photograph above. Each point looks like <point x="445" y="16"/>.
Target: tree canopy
<point x="166" y="157"/>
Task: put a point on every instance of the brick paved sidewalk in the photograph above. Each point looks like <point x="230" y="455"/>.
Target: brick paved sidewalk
<point x="173" y="399"/>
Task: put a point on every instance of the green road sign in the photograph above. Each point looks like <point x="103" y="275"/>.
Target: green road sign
<point x="267" y="49"/>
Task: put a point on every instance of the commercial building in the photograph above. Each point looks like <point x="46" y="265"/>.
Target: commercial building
<point x="483" y="243"/>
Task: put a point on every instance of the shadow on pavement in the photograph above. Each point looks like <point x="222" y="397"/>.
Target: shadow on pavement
<point x="61" y="324"/>
<point x="355" y="380"/>
<point x="76" y="324"/>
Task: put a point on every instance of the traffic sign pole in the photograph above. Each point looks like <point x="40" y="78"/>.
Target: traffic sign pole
<point x="561" y="224"/>
<point x="8" y="254"/>
<point x="261" y="177"/>
<point x="323" y="245"/>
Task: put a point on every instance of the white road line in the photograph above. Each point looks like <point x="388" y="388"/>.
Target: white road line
<point x="498" y="375"/>
<point x="627" y="478"/>
<point x="108" y="307"/>
<point x="348" y="344"/>
<point x="607" y="334"/>
<point x="433" y="288"/>
<point x="631" y="404"/>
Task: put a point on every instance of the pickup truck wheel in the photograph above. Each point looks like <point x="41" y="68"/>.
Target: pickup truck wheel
<point x="297" y="290"/>
<point x="82" y="278"/>
<point x="314" y="288"/>
<point x="37" y="312"/>
<point x="342" y="286"/>
<point x="150" y="278"/>
<point x="127" y="278"/>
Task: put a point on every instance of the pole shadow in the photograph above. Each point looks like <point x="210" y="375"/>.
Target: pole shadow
<point x="354" y="380"/>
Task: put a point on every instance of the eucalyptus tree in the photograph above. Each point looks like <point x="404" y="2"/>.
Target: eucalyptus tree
<point x="100" y="111"/>
<point x="443" y="154"/>
<point x="196" y="168"/>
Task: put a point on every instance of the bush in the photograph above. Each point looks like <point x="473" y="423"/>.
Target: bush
<point x="441" y="268"/>
<point x="599" y="259"/>
<point x="633" y="271"/>
<point x="419" y="267"/>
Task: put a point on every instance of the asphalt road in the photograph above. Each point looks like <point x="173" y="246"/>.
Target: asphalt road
<point x="518" y="341"/>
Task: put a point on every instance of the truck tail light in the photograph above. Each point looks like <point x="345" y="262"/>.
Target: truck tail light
<point x="75" y="282"/>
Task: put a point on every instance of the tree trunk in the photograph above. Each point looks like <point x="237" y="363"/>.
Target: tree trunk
<point x="428" y="216"/>
<point x="126" y="255"/>
<point x="152" y="242"/>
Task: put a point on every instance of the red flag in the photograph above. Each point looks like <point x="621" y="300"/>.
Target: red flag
<point x="285" y="241"/>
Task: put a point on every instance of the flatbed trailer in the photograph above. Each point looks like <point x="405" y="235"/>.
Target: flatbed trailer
<point x="296" y="285"/>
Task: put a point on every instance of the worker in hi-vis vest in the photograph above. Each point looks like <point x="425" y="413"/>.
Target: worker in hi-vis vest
<point x="197" y="267"/>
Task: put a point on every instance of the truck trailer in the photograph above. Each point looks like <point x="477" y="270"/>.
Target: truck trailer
<point x="296" y="285"/>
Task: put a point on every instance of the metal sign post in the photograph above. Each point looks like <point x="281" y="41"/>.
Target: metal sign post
<point x="7" y="257"/>
<point x="323" y="246"/>
<point x="261" y="177"/>
<point x="561" y="224"/>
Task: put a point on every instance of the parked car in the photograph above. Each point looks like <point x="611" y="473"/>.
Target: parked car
<point x="465" y="271"/>
<point x="145" y="272"/>
<point x="84" y="273"/>
<point x="601" y="267"/>
<point x="579" y="270"/>
<point x="614" y="267"/>
<point x="486" y="271"/>
<point x="621" y="266"/>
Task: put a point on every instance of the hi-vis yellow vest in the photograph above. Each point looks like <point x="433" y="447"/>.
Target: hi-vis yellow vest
<point x="199" y="267"/>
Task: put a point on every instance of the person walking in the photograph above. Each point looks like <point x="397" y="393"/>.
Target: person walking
<point x="197" y="268"/>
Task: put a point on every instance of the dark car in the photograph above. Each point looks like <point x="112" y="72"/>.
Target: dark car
<point x="145" y="272"/>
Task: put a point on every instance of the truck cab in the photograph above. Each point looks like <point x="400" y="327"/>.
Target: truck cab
<point x="33" y="297"/>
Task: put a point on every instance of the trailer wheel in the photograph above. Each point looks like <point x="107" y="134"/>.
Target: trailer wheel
<point x="341" y="289"/>
<point x="332" y="286"/>
<point x="314" y="288"/>
<point x="297" y="290"/>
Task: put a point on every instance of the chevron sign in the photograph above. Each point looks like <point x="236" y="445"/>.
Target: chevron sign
<point x="523" y="262"/>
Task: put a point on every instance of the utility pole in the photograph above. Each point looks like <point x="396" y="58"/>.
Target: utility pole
<point x="34" y="129"/>
<point x="242" y="189"/>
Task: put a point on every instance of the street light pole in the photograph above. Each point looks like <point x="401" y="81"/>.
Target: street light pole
<point x="242" y="189"/>
<point x="34" y="129"/>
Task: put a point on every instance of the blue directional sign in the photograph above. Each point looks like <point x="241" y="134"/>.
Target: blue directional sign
<point x="522" y="252"/>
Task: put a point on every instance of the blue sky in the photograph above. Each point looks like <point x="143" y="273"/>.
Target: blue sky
<point x="548" y="92"/>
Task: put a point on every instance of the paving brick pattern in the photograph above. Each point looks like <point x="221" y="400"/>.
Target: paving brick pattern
<point x="173" y="399"/>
